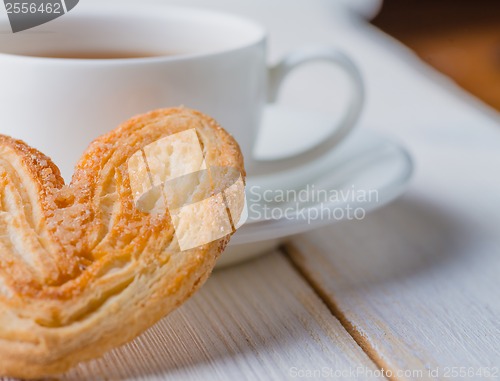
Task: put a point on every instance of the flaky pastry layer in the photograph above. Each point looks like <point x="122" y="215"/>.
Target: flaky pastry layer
<point x="82" y="270"/>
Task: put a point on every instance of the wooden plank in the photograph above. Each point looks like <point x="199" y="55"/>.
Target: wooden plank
<point x="415" y="284"/>
<point x="256" y="321"/>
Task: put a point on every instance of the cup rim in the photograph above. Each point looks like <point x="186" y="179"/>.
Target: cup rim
<point x="147" y="10"/>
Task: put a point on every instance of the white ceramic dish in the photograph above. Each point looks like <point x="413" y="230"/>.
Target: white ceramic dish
<point x="365" y="163"/>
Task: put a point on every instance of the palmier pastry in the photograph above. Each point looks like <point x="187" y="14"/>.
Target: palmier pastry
<point x="88" y="266"/>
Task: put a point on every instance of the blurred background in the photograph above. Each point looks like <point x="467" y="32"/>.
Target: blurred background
<point x="460" y="38"/>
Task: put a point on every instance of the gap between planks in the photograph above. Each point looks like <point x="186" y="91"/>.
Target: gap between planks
<point x="287" y="249"/>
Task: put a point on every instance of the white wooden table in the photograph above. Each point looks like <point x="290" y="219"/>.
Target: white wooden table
<point x="413" y="290"/>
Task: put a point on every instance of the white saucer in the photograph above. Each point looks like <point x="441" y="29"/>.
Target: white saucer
<point x="364" y="173"/>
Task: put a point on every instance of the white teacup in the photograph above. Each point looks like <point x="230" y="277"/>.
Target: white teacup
<point x="170" y="56"/>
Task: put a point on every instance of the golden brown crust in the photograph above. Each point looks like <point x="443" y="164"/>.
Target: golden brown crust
<point x="82" y="270"/>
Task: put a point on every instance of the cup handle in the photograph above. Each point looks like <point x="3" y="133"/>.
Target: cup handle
<point x="278" y="73"/>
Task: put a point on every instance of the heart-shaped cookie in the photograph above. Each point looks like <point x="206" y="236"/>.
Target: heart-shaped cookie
<point x="83" y="269"/>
